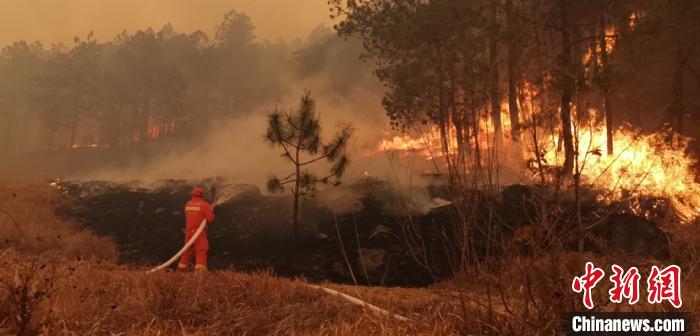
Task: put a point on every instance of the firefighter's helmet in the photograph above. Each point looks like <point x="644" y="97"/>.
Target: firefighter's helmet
<point x="198" y="192"/>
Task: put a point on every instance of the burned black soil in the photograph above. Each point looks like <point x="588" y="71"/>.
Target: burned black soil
<point x="370" y="244"/>
<point x="251" y="232"/>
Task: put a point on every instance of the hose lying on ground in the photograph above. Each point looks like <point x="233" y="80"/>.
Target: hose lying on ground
<point x="359" y="302"/>
<point x="346" y="297"/>
<point x="184" y="248"/>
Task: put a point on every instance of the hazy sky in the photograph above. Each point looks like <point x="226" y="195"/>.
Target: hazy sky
<point x="61" y="20"/>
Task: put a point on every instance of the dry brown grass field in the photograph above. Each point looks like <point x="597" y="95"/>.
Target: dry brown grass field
<point x="56" y="279"/>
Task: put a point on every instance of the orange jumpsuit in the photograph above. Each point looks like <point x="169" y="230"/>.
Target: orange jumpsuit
<point x="196" y="210"/>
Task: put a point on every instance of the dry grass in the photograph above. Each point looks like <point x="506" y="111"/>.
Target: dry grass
<point x="95" y="298"/>
<point x="29" y="225"/>
<point x="58" y="280"/>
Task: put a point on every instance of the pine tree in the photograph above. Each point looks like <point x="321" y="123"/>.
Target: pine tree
<point x="298" y="134"/>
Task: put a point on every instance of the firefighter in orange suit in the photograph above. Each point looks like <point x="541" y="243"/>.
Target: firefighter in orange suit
<point x="196" y="210"/>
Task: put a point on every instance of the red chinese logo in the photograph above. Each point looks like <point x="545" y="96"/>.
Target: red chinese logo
<point x="586" y="282"/>
<point x="625" y="285"/>
<point x="665" y="285"/>
<point x="662" y="285"/>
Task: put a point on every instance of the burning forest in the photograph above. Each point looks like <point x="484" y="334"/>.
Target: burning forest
<point x="386" y="167"/>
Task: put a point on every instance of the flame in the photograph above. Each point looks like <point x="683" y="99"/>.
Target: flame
<point x="74" y="146"/>
<point x="401" y="143"/>
<point x="610" y="42"/>
<point x="155" y="130"/>
<point x="642" y="165"/>
<point x="610" y="39"/>
<point x="633" y="20"/>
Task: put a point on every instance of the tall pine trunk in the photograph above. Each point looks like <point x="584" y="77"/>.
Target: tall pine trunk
<point x="442" y="120"/>
<point x="475" y="134"/>
<point x="513" y="78"/>
<point x="295" y="211"/>
<point x="442" y="106"/>
<point x="493" y="78"/>
<point x="605" y="81"/>
<point x="677" y="107"/>
<point x="567" y="90"/>
<point x="50" y="140"/>
<point x="71" y="141"/>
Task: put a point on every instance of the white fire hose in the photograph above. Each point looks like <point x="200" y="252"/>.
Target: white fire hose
<point x="184" y="248"/>
<point x="359" y="302"/>
<point x="345" y="297"/>
<point x="221" y="199"/>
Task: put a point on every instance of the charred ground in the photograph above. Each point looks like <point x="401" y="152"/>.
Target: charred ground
<point x="374" y="244"/>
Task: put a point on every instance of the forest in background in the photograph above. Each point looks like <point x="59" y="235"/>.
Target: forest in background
<point x="525" y="68"/>
<point x="547" y="66"/>
<point x="159" y="86"/>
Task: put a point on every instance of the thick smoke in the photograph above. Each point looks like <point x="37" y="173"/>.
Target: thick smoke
<point x="226" y="106"/>
<point x="235" y="147"/>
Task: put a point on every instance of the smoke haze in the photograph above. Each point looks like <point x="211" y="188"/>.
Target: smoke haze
<point x="53" y="21"/>
<point x="221" y="108"/>
<point x="235" y="147"/>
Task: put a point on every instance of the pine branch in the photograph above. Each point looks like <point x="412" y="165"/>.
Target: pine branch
<point x="314" y="160"/>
